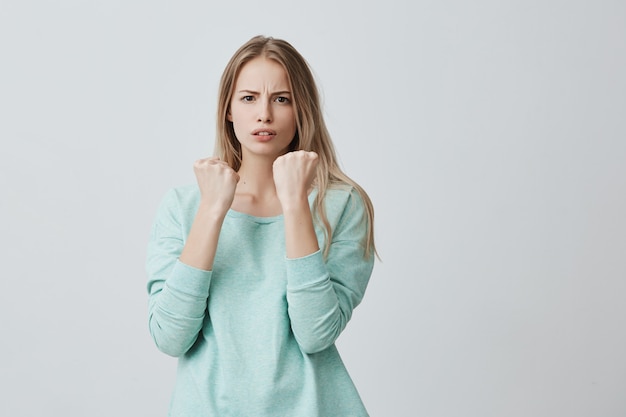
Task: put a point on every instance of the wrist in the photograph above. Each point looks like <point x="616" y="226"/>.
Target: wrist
<point x="211" y="212"/>
<point x="295" y="203"/>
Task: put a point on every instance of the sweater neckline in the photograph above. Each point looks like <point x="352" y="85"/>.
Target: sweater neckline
<point x="255" y="219"/>
<point x="263" y="220"/>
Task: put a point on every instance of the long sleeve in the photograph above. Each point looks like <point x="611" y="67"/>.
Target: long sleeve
<point x="321" y="294"/>
<point x="178" y="292"/>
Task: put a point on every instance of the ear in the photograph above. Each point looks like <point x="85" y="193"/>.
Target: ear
<point x="229" y="116"/>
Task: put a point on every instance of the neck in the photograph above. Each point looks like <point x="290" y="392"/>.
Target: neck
<point x="256" y="178"/>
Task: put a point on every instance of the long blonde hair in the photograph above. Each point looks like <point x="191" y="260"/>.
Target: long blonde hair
<point x="311" y="132"/>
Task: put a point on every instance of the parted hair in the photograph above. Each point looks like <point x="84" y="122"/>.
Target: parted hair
<point x="311" y="132"/>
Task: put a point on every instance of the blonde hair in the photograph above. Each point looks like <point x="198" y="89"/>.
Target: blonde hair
<point x="311" y="132"/>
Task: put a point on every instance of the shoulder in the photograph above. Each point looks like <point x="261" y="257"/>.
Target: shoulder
<point x="182" y="199"/>
<point x="347" y="214"/>
<point x="185" y="194"/>
<point x="343" y="204"/>
<point x="342" y="197"/>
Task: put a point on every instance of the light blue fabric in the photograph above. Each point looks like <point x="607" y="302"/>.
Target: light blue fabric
<point x="255" y="336"/>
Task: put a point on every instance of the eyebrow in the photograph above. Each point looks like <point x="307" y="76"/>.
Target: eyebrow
<point x="256" y="92"/>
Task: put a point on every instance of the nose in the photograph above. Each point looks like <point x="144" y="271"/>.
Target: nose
<point x="265" y="112"/>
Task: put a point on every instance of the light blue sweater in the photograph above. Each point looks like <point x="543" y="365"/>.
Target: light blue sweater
<point x="255" y="336"/>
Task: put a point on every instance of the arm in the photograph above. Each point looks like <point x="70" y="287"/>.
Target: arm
<point x="300" y="237"/>
<point x="179" y="267"/>
<point x="321" y="294"/>
<point x="178" y="293"/>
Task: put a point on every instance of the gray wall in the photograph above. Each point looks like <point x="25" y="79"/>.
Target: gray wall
<point x="491" y="136"/>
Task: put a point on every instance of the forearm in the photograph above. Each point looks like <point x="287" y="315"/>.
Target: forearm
<point x="177" y="309"/>
<point x="201" y="245"/>
<point x="300" y="237"/>
<point x="318" y="313"/>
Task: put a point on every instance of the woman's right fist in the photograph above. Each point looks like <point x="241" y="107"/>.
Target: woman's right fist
<point x="217" y="182"/>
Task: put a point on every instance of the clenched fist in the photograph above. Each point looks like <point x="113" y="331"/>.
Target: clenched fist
<point x="217" y="182"/>
<point x="294" y="173"/>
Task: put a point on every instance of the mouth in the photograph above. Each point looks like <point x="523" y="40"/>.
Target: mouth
<point x="264" y="135"/>
<point x="264" y="132"/>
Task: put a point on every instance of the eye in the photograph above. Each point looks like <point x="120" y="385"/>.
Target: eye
<point x="247" y="98"/>
<point x="281" y="99"/>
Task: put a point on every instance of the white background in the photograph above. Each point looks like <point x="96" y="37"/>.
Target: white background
<point x="491" y="136"/>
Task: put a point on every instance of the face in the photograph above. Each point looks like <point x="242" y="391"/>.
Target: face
<point x="261" y="109"/>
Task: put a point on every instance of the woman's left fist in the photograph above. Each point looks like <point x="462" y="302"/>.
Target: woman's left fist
<point x="294" y="173"/>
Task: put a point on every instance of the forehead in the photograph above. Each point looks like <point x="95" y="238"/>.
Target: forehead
<point x="262" y="72"/>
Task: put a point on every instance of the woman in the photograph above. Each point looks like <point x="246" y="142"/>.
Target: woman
<point x="255" y="270"/>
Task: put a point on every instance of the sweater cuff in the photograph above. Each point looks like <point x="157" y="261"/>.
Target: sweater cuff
<point x="190" y="280"/>
<point x="306" y="271"/>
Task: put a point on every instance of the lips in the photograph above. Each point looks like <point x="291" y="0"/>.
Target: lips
<point x="264" y="134"/>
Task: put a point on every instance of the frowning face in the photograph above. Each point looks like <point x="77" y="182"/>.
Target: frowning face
<point x="261" y="109"/>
